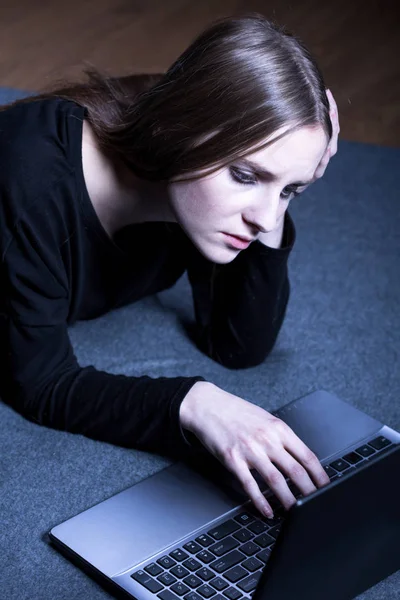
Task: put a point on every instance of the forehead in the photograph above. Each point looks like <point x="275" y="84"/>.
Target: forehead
<point x="296" y="153"/>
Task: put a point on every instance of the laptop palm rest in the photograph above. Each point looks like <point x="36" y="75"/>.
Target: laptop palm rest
<point x="136" y="523"/>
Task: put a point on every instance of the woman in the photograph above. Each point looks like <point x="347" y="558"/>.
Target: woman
<point x="111" y="190"/>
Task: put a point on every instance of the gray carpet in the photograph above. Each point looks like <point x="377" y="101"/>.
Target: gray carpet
<point x="341" y="334"/>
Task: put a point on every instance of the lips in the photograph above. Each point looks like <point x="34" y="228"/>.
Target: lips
<point x="243" y="238"/>
<point x="236" y="241"/>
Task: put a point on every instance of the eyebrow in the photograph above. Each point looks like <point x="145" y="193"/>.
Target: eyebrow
<point x="265" y="174"/>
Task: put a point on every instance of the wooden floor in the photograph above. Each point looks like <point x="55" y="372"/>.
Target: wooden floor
<point x="356" y="43"/>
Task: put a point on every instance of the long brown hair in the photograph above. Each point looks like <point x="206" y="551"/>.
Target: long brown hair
<point x="237" y="83"/>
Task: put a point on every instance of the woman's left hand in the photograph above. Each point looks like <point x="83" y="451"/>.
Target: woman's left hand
<point x="332" y="146"/>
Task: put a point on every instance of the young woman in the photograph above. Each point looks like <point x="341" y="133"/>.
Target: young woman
<point x="110" y="190"/>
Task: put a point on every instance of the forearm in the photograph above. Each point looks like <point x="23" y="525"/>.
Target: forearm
<point x="240" y="306"/>
<point x="43" y="381"/>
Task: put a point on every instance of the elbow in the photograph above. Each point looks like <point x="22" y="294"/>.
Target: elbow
<point x="20" y="400"/>
<point x="28" y="401"/>
<point x="240" y="358"/>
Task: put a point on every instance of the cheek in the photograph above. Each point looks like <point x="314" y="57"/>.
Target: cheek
<point x="202" y="201"/>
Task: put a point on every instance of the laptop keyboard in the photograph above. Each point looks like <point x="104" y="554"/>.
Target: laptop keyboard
<point x="226" y="561"/>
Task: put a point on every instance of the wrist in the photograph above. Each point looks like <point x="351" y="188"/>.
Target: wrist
<point x="189" y="405"/>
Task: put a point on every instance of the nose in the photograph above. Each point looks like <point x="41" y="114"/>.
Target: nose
<point x="264" y="215"/>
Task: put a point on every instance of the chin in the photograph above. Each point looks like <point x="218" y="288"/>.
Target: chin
<point x="217" y="254"/>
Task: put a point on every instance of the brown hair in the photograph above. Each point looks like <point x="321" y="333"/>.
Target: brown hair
<point x="237" y="83"/>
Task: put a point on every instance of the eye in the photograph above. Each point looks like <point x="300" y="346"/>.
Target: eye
<point x="248" y="179"/>
<point x="290" y="191"/>
<point x="241" y="177"/>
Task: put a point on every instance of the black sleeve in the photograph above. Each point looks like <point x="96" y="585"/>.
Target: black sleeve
<point x="240" y="306"/>
<point x="40" y="376"/>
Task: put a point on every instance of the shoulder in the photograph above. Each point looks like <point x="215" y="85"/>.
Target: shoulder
<point x="39" y="146"/>
<point x="36" y="131"/>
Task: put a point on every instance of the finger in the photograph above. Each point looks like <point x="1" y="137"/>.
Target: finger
<point x="334" y="115"/>
<point x="275" y="479"/>
<point x="332" y="101"/>
<point x="320" y="170"/>
<point x="250" y="486"/>
<point x="296" y="473"/>
<point x="296" y="447"/>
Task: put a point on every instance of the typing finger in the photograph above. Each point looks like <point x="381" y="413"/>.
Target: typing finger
<point x="241" y="469"/>
<point x="296" y="473"/>
<point x="296" y="447"/>
<point x="275" y="479"/>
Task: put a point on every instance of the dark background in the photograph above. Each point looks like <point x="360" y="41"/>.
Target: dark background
<point x="356" y="43"/>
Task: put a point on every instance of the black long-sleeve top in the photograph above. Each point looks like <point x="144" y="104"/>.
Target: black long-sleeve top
<point x="58" y="265"/>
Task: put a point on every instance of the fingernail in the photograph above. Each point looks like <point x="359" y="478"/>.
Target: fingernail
<point x="268" y="513"/>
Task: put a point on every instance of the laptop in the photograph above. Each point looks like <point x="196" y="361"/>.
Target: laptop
<point x="189" y="532"/>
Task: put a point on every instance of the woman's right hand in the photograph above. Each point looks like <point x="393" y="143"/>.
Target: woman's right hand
<point x="243" y="436"/>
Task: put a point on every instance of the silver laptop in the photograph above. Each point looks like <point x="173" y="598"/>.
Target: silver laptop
<point x="190" y="532"/>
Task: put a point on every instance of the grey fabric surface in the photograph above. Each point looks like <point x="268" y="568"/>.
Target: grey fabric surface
<point x="341" y="333"/>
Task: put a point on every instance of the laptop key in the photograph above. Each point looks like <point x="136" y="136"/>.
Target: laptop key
<point x="166" y="579"/>
<point x="153" y="569"/>
<point x="274" y="531"/>
<point x="224" y="529"/>
<point x="257" y="527"/>
<point x="329" y="471"/>
<point x="249" y="549"/>
<point x="227" y="544"/>
<point x="232" y="593"/>
<point x="179" y="571"/>
<point x="205" y="540"/>
<point x="340" y="464"/>
<point x="352" y="458"/>
<point x="167" y="595"/>
<point x="264" y="555"/>
<point x="227" y="561"/>
<point x="192" y="547"/>
<point x="252" y="564"/>
<point x="244" y="518"/>
<point x="379" y="442"/>
<point x="243" y="535"/>
<point x="235" y="574"/>
<point x="264" y="540"/>
<point x="365" y="450"/>
<point x="148" y="582"/>
<point x="218" y="583"/>
<point x="206" y="591"/>
<point x="205" y="556"/>
<point x="180" y="588"/>
<point x="192" y="581"/>
<point x="205" y="574"/>
<point x="192" y="564"/>
<point x="192" y="596"/>
<point x="251" y="582"/>
<point x="278" y="519"/>
<point x="385" y="449"/>
<point x="166" y="562"/>
<point x="179" y="554"/>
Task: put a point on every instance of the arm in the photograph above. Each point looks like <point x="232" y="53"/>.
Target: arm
<point x="40" y="376"/>
<point x="240" y="306"/>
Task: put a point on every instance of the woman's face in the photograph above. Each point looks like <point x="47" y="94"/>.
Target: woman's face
<point x="245" y="199"/>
